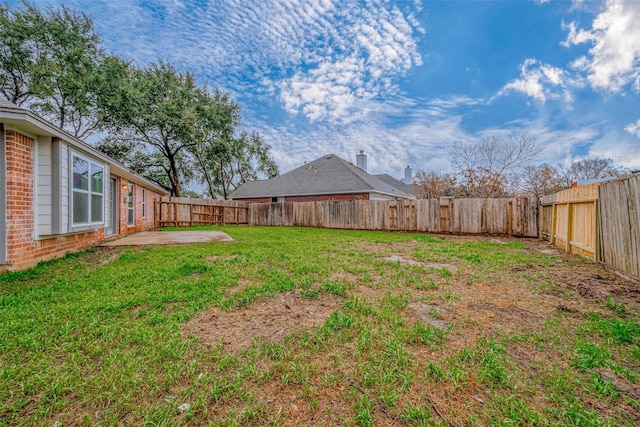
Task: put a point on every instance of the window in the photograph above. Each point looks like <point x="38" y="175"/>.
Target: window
<point x="144" y="203"/>
<point x="130" y="206"/>
<point x="88" y="191"/>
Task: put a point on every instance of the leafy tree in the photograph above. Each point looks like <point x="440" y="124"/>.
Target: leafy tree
<point x="17" y="59"/>
<point x="218" y="116"/>
<point x="484" y="167"/>
<point x="52" y="63"/>
<point x="245" y="159"/>
<point x="160" y="122"/>
<point x="154" y="118"/>
<point x="226" y="163"/>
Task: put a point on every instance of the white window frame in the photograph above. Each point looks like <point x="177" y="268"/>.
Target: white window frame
<point x="144" y="203"/>
<point x="131" y="199"/>
<point x="89" y="192"/>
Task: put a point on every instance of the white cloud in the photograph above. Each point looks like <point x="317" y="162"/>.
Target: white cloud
<point x="319" y="58"/>
<point x="419" y="139"/>
<point x="614" y="58"/>
<point x="633" y="128"/>
<point x="366" y="50"/>
<point x="624" y="151"/>
<point x="541" y="82"/>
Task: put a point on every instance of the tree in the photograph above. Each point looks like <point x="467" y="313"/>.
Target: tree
<point x="593" y="168"/>
<point x="16" y="57"/>
<point x="433" y="184"/>
<point x="154" y="118"/>
<point x="218" y="118"/>
<point x="167" y="129"/>
<point x="226" y="163"/>
<point x="541" y="180"/>
<point x="484" y="167"/>
<point x="52" y="63"/>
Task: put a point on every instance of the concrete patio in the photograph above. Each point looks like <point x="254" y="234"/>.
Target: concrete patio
<point x="170" y="238"/>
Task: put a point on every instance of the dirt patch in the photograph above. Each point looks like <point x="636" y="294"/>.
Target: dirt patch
<point x="377" y="247"/>
<point x="621" y="384"/>
<point x="593" y="283"/>
<point x="108" y="255"/>
<point x="271" y="320"/>
<point x="430" y="314"/>
<point x="402" y="260"/>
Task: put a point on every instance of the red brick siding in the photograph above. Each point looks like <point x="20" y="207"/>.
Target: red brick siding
<point x="140" y="223"/>
<point x="312" y="198"/>
<point x="22" y="248"/>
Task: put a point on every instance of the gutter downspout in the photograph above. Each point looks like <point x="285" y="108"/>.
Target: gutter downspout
<point x="3" y="197"/>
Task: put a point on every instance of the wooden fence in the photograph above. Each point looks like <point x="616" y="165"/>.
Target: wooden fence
<point x="619" y="223"/>
<point x="182" y="211"/>
<point x="568" y="219"/>
<point x="600" y="221"/>
<point x="514" y="216"/>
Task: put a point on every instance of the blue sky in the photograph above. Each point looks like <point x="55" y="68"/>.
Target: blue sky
<point x="402" y="80"/>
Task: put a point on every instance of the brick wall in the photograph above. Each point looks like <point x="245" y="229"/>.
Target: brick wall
<point x="312" y="198"/>
<point x="140" y="222"/>
<point x="22" y="248"/>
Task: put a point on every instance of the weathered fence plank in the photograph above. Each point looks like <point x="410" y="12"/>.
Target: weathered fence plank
<point x="619" y="221"/>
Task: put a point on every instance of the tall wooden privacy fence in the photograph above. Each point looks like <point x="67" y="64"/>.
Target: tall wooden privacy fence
<point x="620" y="225"/>
<point x="600" y="221"/>
<point x="569" y="219"/>
<point x="514" y="216"/>
<point x="182" y="212"/>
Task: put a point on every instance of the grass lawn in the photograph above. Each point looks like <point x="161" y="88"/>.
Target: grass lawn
<point x="383" y="329"/>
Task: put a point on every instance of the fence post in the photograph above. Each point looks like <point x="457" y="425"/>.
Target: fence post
<point x="364" y="214"/>
<point x="596" y="229"/>
<point x="175" y="213"/>
<point x="554" y="214"/>
<point x="510" y="218"/>
<point x="569" y="226"/>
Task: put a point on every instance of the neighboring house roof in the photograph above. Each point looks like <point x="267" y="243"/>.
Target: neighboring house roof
<point x="407" y="188"/>
<point x="326" y="175"/>
<point x="12" y="114"/>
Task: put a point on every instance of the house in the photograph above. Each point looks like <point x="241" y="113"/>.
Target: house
<point x="58" y="194"/>
<point x="406" y="188"/>
<point x="326" y="178"/>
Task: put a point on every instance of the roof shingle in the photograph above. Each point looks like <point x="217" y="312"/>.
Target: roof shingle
<point x="328" y="174"/>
